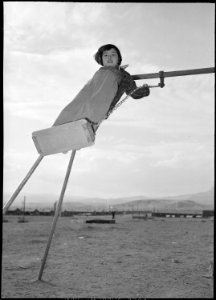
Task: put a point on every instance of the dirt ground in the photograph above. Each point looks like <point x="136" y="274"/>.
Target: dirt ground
<point x="158" y="258"/>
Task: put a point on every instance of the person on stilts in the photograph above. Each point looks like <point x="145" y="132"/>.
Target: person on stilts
<point x="100" y="94"/>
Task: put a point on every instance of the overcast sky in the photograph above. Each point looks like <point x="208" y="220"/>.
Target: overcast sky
<point x="157" y="146"/>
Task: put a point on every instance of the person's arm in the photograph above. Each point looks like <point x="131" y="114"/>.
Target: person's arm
<point x="128" y="84"/>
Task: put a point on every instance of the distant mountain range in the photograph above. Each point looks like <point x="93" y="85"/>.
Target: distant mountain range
<point x="198" y="201"/>
<point x="206" y="198"/>
<point x="162" y="205"/>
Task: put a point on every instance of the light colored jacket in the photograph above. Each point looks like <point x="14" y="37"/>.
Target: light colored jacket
<point x="94" y="99"/>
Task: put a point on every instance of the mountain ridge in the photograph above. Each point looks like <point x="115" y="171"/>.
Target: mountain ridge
<point x="204" y="199"/>
<point x="163" y="205"/>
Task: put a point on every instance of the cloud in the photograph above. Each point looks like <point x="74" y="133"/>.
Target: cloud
<point x="61" y="26"/>
<point x="39" y="87"/>
<point x="84" y="14"/>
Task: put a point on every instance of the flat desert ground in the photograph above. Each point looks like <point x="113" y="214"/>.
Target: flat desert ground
<point x="154" y="258"/>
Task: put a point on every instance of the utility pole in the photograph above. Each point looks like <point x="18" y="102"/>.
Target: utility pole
<point x="24" y="208"/>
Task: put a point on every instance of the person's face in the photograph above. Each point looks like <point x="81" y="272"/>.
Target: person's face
<point x="110" y="58"/>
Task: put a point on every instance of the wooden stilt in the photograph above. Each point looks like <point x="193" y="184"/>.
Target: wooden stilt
<point x="57" y="213"/>
<point x="15" y="194"/>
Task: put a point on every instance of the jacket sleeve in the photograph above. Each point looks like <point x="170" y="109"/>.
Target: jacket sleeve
<point x="128" y="85"/>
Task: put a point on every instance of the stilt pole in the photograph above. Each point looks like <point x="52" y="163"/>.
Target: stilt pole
<point x="57" y="213"/>
<point x="15" y="194"/>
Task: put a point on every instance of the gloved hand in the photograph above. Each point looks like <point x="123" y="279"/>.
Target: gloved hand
<point x="141" y="92"/>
